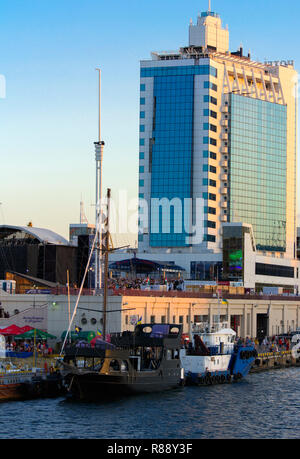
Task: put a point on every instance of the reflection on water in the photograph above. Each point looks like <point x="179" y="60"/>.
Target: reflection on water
<point x="265" y="405"/>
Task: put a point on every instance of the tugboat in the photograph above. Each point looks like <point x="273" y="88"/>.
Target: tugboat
<point x="212" y="357"/>
<point x="143" y="361"/>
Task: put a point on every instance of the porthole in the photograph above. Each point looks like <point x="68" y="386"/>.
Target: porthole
<point x="93" y="321"/>
<point x="114" y="365"/>
<point x="83" y="321"/>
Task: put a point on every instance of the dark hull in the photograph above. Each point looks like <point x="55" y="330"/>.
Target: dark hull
<point x="11" y="392"/>
<point x="93" y="387"/>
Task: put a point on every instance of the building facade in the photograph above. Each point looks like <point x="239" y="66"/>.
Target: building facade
<point x="248" y="316"/>
<point x="218" y="146"/>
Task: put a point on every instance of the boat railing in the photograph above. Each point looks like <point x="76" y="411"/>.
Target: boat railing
<point x="205" y="327"/>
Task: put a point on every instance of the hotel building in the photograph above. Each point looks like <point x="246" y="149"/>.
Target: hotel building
<point x="218" y="159"/>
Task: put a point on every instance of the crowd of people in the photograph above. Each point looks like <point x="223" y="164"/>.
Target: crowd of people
<point x="267" y="344"/>
<point x="143" y="283"/>
<point x="42" y="347"/>
<point x="274" y="343"/>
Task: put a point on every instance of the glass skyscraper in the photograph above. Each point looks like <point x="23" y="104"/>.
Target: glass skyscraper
<point x="217" y="146"/>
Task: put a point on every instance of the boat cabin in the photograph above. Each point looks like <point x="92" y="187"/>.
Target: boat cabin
<point x="142" y="350"/>
<point x="212" y="340"/>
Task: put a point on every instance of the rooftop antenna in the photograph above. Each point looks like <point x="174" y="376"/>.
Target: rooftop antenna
<point x="99" y="147"/>
<point x="83" y="218"/>
<point x="209" y="6"/>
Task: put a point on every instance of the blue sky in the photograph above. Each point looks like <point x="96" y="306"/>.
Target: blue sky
<point x="49" y="50"/>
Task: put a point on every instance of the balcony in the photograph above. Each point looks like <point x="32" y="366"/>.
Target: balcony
<point x="224" y="109"/>
<point x="224" y="190"/>
<point x="224" y="163"/>
<point x="224" y="177"/>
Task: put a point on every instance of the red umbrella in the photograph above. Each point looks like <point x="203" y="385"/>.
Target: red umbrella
<point x="94" y="340"/>
<point x="11" y="330"/>
<point x="99" y="342"/>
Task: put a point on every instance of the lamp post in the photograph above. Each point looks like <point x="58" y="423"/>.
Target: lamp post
<point x="99" y="148"/>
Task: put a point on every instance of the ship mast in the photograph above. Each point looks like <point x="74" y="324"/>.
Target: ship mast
<point x="107" y="248"/>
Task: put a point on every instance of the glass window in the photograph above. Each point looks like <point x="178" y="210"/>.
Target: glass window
<point x="179" y="71"/>
<point x="143" y="87"/>
<point x="210" y="85"/>
<point x="142" y="100"/>
<point x="171" y="154"/>
<point x="258" y="169"/>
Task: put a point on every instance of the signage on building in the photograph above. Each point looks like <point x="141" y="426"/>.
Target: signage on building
<point x="134" y="320"/>
<point x="285" y="63"/>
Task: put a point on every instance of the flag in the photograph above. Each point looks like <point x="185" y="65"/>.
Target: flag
<point x="225" y="302"/>
<point x="139" y="322"/>
<point x="78" y="329"/>
<point x="99" y="333"/>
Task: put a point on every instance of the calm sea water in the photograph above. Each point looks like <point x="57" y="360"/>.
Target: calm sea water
<point x="266" y="405"/>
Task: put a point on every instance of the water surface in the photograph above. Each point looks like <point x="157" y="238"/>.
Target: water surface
<point x="265" y="405"/>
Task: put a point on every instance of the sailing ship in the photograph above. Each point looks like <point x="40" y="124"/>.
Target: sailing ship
<point x="145" y="360"/>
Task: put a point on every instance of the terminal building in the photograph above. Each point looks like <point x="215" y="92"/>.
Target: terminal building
<point x="218" y="162"/>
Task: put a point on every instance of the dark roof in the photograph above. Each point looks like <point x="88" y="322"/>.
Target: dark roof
<point x="141" y="265"/>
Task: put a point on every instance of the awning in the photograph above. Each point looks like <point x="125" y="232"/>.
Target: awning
<point x="144" y="266"/>
<point x="35" y="333"/>
<point x="11" y="330"/>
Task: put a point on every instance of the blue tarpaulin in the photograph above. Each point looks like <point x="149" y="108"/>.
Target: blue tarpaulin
<point x="19" y="355"/>
<point x="159" y="331"/>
